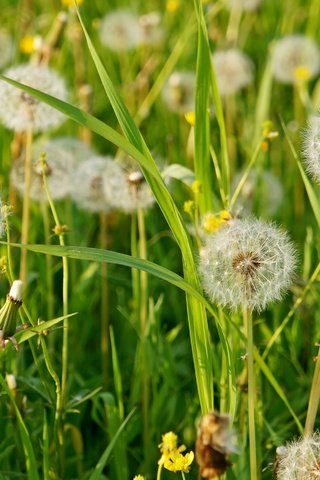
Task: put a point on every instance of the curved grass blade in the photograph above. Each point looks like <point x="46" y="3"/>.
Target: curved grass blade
<point x="106" y="454"/>
<point x="25" y="335"/>
<point x="31" y="464"/>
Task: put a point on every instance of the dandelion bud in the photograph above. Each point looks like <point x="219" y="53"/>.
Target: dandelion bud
<point x="247" y="263"/>
<point x="11" y="382"/>
<point x="9" y="313"/>
<point x="299" y="459"/>
<point x="214" y="445"/>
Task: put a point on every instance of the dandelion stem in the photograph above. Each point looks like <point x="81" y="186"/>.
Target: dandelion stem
<point x="314" y="399"/>
<point x="65" y="269"/>
<point x="26" y="204"/>
<point x="105" y="327"/>
<point x="159" y="472"/>
<point x="247" y="317"/>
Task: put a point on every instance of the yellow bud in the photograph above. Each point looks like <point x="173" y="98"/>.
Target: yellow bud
<point x="191" y="118"/>
<point x="225" y="215"/>
<point x="173" y="5"/>
<point x="301" y="74"/>
<point x="188" y="206"/>
<point x="30" y="44"/>
<point x="196" y="187"/>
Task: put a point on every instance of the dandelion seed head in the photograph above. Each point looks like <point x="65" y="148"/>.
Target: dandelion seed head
<point x="6" y="48"/>
<point x="178" y="92"/>
<point x="311" y="148"/>
<point x="120" y="31"/>
<point x="291" y="55"/>
<point x="87" y="188"/>
<point x="152" y="31"/>
<point x="59" y="168"/>
<point x="247" y="263"/>
<point x="299" y="459"/>
<point x="234" y="70"/>
<point x="20" y="111"/>
<point x="77" y="148"/>
<point x="262" y="188"/>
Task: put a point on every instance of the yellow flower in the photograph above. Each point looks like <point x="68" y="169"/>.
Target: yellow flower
<point x="70" y="3"/>
<point x="191" y="118"/>
<point x="196" y="186"/>
<point x="169" y="442"/>
<point x="302" y="74"/>
<point x="173" y="5"/>
<point x="30" y="44"/>
<point x="138" y="477"/>
<point x="188" y="206"/>
<point x="212" y="222"/>
<point x="177" y="462"/>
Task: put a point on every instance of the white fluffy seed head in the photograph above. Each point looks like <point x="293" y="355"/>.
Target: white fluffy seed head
<point x="16" y="290"/>
<point x="178" y="92"/>
<point x="120" y="31"/>
<point x="247" y="5"/>
<point x="87" y="188"/>
<point x="300" y="459"/>
<point x="127" y="190"/>
<point x="152" y="32"/>
<point x="19" y="111"/>
<point x="77" y="148"/>
<point x="261" y="188"/>
<point x="59" y="171"/>
<point x="247" y="263"/>
<point x="293" y="53"/>
<point x="6" y="48"/>
<point x="311" y="148"/>
<point x="234" y="70"/>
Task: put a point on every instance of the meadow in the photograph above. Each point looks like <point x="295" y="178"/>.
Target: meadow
<point x="159" y="219"/>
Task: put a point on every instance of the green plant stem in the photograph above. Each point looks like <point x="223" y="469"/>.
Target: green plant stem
<point x="26" y="204"/>
<point x="247" y="317"/>
<point x="143" y="310"/>
<point x="314" y="399"/>
<point x="105" y="320"/>
<point x="49" y="273"/>
<point x="65" y="268"/>
<point x="159" y="472"/>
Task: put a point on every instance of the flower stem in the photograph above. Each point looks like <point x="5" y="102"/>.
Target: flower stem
<point x="105" y="321"/>
<point x="247" y="317"/>
<point x="159" y="472"/>
<point x="26" y="204"/>
<point x="313" y="399"/>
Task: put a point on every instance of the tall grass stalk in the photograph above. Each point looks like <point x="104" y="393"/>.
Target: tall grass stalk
<point x="105" y="320"/>
<point x="26" y="203"/>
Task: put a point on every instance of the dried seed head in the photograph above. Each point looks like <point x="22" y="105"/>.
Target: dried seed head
<point x="247" y="263"/>
<point x="20" y="111"/>
<point x="299" y="460"/>
<point x="215" y="442"/>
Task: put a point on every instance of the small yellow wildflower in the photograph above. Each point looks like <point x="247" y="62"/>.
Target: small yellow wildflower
<point x="70" y="3"/>
<point x="212" y="222"/>
<point x="173" y="5"/>
<point x="138" y="477"/>
<point x="188" y="206"/>
<point x="191" y="118"/>
<point x="177" y="462"/>
<point x="196" y="186"/>
<point x="169" y="442"/>
<point x="301" y="74"/>
<point x="30" y="44"/>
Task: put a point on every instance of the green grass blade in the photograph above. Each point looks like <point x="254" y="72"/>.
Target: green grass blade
<point x="202" y="160"/>
<point x="117" y="374"/>
<point x="45" y="447"/>
<point x="96" y="475"/>
<point x="31" y="464"/>
<point x="25" y="335"/>
<point x="314" y="202"/>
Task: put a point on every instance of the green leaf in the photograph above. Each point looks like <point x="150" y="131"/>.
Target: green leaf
<point x="96" y="475"/>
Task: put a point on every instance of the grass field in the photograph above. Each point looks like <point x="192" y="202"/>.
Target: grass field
<point x="159" y="219"/>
